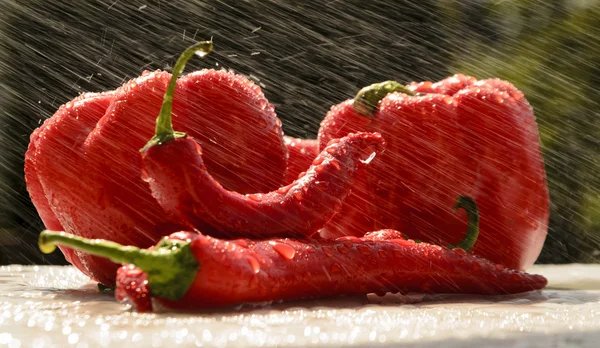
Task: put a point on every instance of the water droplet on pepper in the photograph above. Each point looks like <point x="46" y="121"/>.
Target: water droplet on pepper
<point x="336" y="268"/>
<point x="364" y="250"/>
<point x="327" y="251"/>
<point x="257" y="197"/>
<point x="254" y="265"/>
<point x="285" y="250"/>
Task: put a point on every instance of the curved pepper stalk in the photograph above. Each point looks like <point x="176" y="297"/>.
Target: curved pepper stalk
<point x="366" y="100"/>
<point x="469" y="205"/>
<point x="164" y="122"/>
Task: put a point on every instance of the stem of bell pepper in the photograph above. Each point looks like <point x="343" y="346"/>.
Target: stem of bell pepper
<point x="366" y="100"/>
<point x="171" y="265"/>
<point x="164" y="123"/>
<point x="468" y="204"/>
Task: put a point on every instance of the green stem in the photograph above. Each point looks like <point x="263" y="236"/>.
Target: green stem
<point x="469" y="205"/>
<point x="366" y="100"/>
<point x="164" y="122"/>
<point x="171" y="266"/>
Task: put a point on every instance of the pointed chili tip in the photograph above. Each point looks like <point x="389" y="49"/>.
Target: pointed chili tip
<point x="468" y="204"/>
<point x="164" y="123"/>
<point x="366" y="100"/>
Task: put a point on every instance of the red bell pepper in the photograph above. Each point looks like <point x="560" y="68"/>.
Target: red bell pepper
<point x="190" y="270"/>
<point x="172" y="164"/>
<point x="83" y="165"/>
<point x="459" y="136"/>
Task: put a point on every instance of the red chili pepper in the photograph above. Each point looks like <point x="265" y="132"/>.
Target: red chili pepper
<point x="83" y="166"/>
<point x="183" y="187"/>
<point x="457" y="136"/>
<point x="190" y="270"/>
<point x="172" y="165"/>
<point x="301" y="153"/>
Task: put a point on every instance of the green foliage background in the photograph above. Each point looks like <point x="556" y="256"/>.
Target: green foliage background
<point x="551" y="51"/>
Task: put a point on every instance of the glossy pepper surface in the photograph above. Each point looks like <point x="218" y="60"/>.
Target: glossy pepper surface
<point x="459" y="136"/>
<point x="83" y="165"/>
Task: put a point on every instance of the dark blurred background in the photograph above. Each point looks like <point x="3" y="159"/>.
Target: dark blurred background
<point x="307" y="56"/>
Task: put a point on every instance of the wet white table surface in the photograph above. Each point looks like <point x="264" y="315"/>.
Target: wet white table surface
<point x="59" y="307"/>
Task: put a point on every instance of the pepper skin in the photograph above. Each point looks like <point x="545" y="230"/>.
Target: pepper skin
<point x="87" y="163"/>
<point x="247" y="271"/>
<point x="301" y="153"/>
<point x="457" y="136"/>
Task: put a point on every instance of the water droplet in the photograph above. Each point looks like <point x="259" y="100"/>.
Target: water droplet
<point x="336" y="268"/>
<point x="285" y="250"/>
<point x="201" y="53"/>
<point x="257" y="197"/>
<point x="460" y="251"/>
<point x="319" y="168"/>
<point x="369" y="159"/>
<point x="254" y="265"/>
<point x="382" y="253"/>
<point x="327" y="251"/>
<point x="335" y="163"/>
<point x="283" y="190"/>
<point x="342" y="249"/>
<point x="331" y="150"/>
<point x="301" y="175"/>
<point x="145" y="176"/>
<point x="198" y="148"/>
<point x="364" y="250"/>
<point x="262" y="103"/>
<point x="54" y="201"/>
<point x="402" y="242"/>
<point x="499" y="267"/>
<point x="298" y="195"/>
<point x="318" y="160"/>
